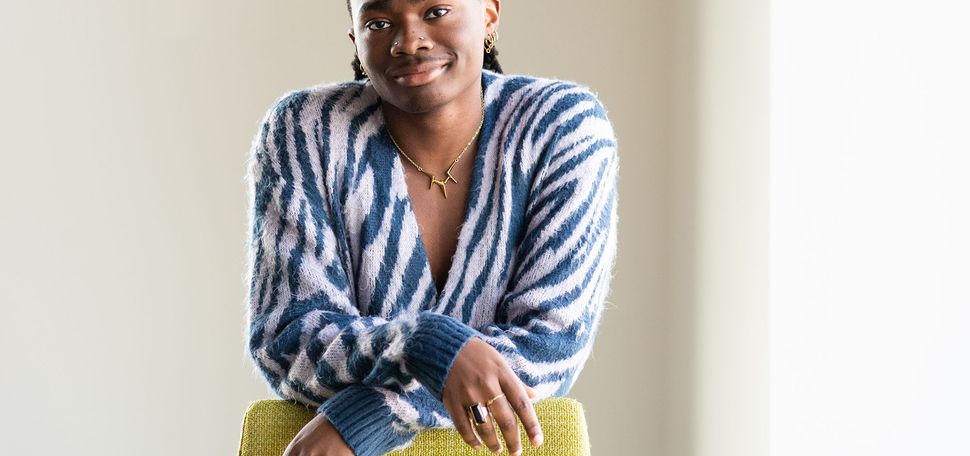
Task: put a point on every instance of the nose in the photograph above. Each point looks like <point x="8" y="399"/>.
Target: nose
<point x="410" y="40"/>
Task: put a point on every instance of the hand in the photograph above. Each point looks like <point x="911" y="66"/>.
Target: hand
<point x="318" y="438"/>
<point x="478" y="374"/>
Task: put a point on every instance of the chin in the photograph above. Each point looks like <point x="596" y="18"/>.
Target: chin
<point x="417" y="100"/>
<point x="423" y="98"/>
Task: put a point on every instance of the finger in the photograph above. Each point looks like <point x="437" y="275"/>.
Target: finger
<point x="459" y="416"/>
<point x="532" y="391"/>
<point x="505" y="419"/>
<point x="486" y="431"/>
<point x="519" y="401"/>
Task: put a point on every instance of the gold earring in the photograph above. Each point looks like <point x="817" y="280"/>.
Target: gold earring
<point x="490" y="42"/>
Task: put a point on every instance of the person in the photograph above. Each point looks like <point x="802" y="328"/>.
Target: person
<point x="432" y="243"/>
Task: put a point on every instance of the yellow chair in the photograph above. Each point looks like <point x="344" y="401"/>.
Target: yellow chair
<point x="269" y="425"/>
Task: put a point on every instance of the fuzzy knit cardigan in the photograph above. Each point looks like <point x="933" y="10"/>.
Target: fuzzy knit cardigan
<point x="343" y="313"/>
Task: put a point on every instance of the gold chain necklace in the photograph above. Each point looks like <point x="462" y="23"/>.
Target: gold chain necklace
<point x="434" y="179"/>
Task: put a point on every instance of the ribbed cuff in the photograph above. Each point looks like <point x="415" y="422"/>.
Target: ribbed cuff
<point x="432" y="348"/>
<point x="364" y="420"/>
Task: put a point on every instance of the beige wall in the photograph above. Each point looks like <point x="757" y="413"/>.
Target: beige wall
<point x="125" y="127"/>
<point x="718" y="314"/>
<point x="619" y="49"/>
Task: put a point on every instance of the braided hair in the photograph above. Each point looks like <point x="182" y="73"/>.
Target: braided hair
<point x="489" y="63"/>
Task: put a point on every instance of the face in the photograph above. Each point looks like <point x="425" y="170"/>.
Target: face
<point x="421" y="54"/>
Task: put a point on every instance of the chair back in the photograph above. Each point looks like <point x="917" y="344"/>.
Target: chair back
<point x="270" y="425"/>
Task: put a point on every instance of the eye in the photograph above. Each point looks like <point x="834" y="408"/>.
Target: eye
<point x="377" y="25"/>
<point x="438" y="12"/>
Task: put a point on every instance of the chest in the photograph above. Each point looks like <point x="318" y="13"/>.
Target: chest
<point x="440" y="218"/>
<point x="407" y="247"/>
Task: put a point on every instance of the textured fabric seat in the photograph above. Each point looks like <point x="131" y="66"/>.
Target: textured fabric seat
<point x="269" y="425"/>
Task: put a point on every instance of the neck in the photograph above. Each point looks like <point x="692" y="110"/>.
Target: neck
<point x="434" y="138"/>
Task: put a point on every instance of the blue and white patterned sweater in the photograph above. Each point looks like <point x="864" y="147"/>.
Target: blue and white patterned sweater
<point x="343" y="310"/>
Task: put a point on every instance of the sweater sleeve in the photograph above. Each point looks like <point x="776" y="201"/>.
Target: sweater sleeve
<point x="305" y="333"/>
<point x="377" y="420"/>
<point x="546" y="321"/>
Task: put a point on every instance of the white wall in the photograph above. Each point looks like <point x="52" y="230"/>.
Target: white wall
<point x="870" y="315"/>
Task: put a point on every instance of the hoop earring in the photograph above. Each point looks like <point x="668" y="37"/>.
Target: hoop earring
<point x="490" y="42"/>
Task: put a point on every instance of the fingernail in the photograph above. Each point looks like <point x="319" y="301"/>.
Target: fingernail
<point x="539" y="439"/>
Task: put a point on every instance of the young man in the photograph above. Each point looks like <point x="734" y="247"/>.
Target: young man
<point x="433" y="242"/>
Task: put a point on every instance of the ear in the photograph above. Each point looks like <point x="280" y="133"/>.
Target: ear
<point x="350" y="34"/>
<point x="493" y="9"/>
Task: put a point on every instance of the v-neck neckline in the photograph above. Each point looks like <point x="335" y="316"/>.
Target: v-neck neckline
<point x="400" y="180"/>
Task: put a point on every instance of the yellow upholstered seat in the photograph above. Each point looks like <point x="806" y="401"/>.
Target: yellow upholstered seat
<point x="269" y="425"/>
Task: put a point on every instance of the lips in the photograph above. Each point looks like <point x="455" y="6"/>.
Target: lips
<point x="418" y="74"/>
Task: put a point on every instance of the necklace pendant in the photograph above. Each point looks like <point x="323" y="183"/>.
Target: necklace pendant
<point x="440" y="183"/>
<point x="450" y="177"/>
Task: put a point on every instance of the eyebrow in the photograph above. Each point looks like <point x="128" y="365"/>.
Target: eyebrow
<point x="382" y="5"/>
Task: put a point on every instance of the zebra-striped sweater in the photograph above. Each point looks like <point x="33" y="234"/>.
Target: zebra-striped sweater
<point x="343" y="312"/>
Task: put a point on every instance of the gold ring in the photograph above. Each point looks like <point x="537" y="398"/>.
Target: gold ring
<point x="489" y="403"/>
